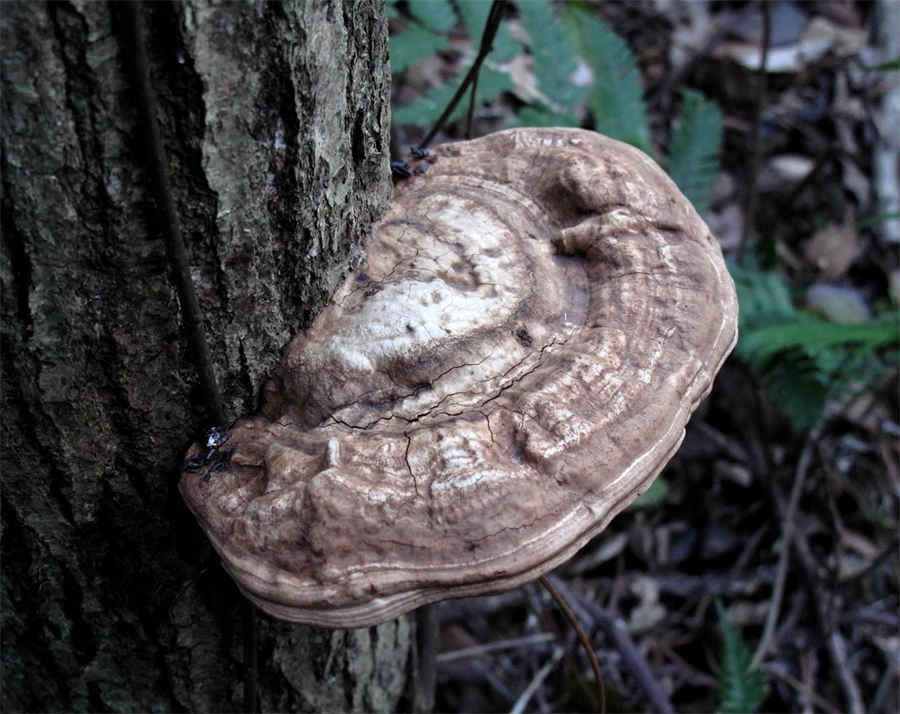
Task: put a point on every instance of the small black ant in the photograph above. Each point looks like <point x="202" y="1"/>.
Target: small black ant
<point x="214" y="458"/>
<point x="400" y="169"/>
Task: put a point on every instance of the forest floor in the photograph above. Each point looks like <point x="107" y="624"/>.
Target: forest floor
<point x="784" y="537"/>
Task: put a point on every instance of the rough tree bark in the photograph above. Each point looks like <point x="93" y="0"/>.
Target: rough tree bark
<point x="274" y="118"/>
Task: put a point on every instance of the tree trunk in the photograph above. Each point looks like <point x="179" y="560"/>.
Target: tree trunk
<point x="274" y="122"/>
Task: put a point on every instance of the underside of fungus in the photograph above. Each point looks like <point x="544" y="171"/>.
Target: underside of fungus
<point x="513" y="362"/>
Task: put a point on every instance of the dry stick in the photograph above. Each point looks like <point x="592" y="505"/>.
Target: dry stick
<point x="836" y="647"/>
<point x="889" y="551"/>
<point x="752" y="191"/>
<point x="487" y="44"/>
<point x="178" y="262"/>
<point x="582" y="635"/>
<point x="536" y="682"/>
<point x="498" y="645"/>
<point x="618" y="633"/>
<point x="787" y="535"/>
<point x="797" y="685"/>
<point x="835" y="644"/>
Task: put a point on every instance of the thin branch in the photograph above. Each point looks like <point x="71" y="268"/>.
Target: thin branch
<point x="835" y="645"/>
<point x="890" y="551"/>
<point x="497" y="646"/>
<point x="536" y="682"/>
<point x="615" y="629"/>
<point x="582" y="636"/>
<point x="784" y="559"/>
<point x="779" y="672"/>
<point x="487" y="44"/>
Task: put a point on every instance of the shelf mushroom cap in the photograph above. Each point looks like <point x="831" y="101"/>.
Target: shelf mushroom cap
<point x="514" y="362"/>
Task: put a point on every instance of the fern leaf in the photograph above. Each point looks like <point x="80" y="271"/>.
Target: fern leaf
<point x="616" y="97"/>
<point x="554" y="55"/>
<point x="817" y="336"/>
<point x="742" y="688"/>
<point x="693" y="161"/>
<point x="436" y="15"/>
<point x="425" y="109"/>
<point x="414" y="44"/>
<point x="763" y="296"/>
<point x="805" y="362"/>
<point x="474" y="15"/>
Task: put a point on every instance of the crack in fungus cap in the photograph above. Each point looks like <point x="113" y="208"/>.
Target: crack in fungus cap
<point x="513" y="362"/>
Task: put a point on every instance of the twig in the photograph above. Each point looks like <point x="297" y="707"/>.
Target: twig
<point x="733" y="578"/>
<point x="884" y="687"/>
<point x="777" y="671"/>
<point x="536" y="682"/>
<point x="582" y="636"/>
<point x="498" y="646"/>
<point x="835" y="645"/>
<point x="889" y="551"/>
<point x="756" y="153"/>
<point x="688" y="672"/>
<point x="837" y="648"/>
<point x="615" y="629"/>
<point x="784" y="559"/>
<point x="487" y="44"/>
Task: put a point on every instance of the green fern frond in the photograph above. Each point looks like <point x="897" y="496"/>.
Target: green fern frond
<point x="802" y="361"/>
<point x="616" y="96"/>
<point x="742" y="689"/>
<point x="763" y="296"/>
<point x="425" y="109"/>
<point x="817" y="337"/>
<point x="693" y="161"/>
<point x="414" y="44"/>
<point x="436" y="15"/>
<point x="797" y="387"/>
<point x="554" y="59"/>
<point x="474" y="15"/>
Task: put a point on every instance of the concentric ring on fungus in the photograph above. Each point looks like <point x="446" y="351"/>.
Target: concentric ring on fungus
<point x="513" y="363"/>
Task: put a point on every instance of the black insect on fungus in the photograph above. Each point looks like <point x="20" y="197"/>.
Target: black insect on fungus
<point x="400" y="169"/>
<point x="420" y="169"/>
<point x="418" y="153"/>
<point x="215" y="458"/>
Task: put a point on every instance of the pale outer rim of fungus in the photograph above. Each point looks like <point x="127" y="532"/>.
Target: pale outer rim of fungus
<point x="286" y="595"/>
<point x="380" y="610"/>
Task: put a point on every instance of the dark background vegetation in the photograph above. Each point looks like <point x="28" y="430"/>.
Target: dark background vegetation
<point x="782" y="505"/>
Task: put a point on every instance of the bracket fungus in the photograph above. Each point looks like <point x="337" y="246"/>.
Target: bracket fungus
<point x="512" y="363"/>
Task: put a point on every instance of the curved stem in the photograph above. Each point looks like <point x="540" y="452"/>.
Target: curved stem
<point x="582" y="635"/>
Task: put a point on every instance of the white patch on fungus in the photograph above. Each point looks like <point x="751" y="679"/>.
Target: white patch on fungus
<point x="515" y="359"/>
